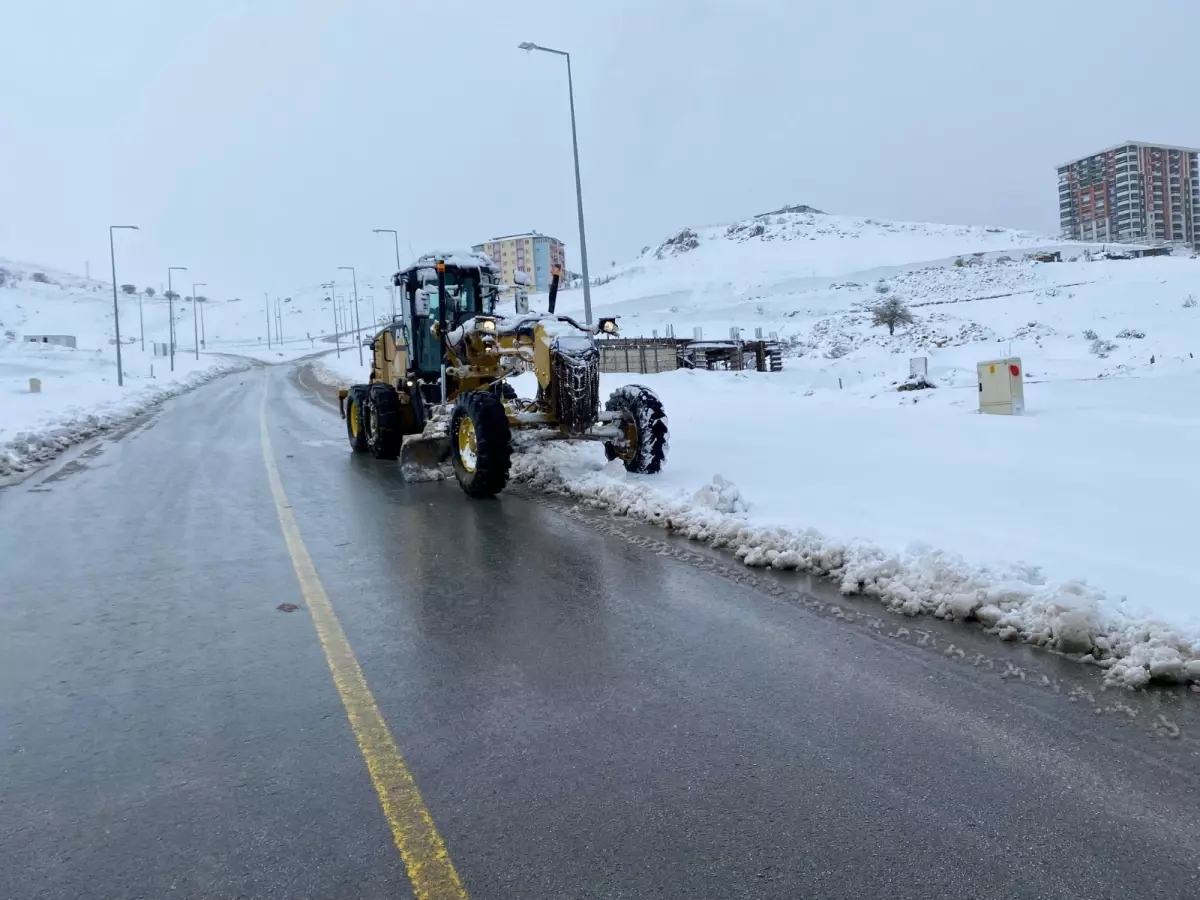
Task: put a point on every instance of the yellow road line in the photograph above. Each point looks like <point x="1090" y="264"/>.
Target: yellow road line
<point x="429" y="867"/>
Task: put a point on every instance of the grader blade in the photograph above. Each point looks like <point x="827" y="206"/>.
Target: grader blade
<point x="422" y="457"/>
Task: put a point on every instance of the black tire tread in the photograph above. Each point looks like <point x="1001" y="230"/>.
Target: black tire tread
<point x="355" y="397"/>
<point x="653" y="436"/>
<point x="384" y="404"/>
<point x="493" y="442"/>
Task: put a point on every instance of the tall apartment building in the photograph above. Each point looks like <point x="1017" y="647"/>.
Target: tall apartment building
<point x="531" y="253"/>
<point x="1132" y="192"/>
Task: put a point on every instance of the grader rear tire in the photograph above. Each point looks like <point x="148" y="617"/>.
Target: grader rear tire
<point x="480" y="443"/>
<point x="383" y="421"/>
<point x="356" y="431"/>
<point x="644" y="449"/>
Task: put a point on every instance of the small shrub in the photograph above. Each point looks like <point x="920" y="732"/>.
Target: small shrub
<point x="959" y="263"/>
<point x="1090" y="335"/>
<point x="1131" y="334"/>
<point x="837" y="351"/>
<point x="882" y="287"/>
<point x="40" y="278"/>
<point x="129" y="289"/>
<point x="891" y="312"/>
<point x="4" y="275"/>
<point x="1103" y="348"/>
<point x="1189" y="302"/>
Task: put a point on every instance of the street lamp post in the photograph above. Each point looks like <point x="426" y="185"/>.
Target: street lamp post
<point x="396" y="241"/>
<point x="203" y="336"/>
<point x="357" y="321"/>
<point x="142" y="323"/>
<point x="171" y="310"/>
<point x="587" y="284"/>
<point x="267" y="307"/>
<point x="112" y="253"/>
<point x="336" y="339"/>
<point x="196" y="321"/>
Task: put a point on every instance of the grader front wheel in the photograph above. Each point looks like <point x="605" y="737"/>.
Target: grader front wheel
<point x="355" y="431"/>
<point x="480" y="443"/>
<point x="643" y="448"/>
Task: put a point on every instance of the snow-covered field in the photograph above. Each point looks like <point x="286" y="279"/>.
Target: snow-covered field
<point x="1068" y="527"/>
<point x="342" y="370"/>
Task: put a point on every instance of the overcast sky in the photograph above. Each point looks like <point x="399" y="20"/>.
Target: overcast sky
<point x="258" y="142"/>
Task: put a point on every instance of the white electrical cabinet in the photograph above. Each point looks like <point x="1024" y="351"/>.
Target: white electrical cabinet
<point x="1002" y="387"/>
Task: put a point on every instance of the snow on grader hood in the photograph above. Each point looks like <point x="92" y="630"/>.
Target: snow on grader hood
<point x="438" y="395"/>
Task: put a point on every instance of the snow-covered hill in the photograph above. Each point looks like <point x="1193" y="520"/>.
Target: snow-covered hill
<point x="757" y="260"/>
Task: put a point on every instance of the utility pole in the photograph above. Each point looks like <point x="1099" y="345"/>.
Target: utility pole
<point x="116" y="309"/>
<point x="337" y="340"/>
<point x="196" y="318"/>
<point x="357" y="321"/>
<point x="587" y="284"/>
<point x="171" y="309"/>
<point x="142" y="323"/>
<point x="396" y="242"/>
<point x="267" y="302"/>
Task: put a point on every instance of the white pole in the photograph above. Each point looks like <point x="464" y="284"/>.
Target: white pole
<point x="116" y="309"/>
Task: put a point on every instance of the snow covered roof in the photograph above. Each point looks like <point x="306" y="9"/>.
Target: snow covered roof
<point x="1122" y="146"/>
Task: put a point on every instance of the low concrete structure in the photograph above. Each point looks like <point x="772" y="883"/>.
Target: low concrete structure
<point x="61" y="340"/>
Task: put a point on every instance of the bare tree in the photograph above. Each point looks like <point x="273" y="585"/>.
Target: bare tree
<point x="891" y="312"/>
<point x="172" y="295"/>
<point x="129" y="289"/>
<point x="149" y="292"/>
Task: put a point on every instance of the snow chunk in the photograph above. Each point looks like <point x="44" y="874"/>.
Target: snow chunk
<point x="721" y="495"/>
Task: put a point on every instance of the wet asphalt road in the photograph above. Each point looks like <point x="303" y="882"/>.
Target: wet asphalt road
<point x="588" y="710"/>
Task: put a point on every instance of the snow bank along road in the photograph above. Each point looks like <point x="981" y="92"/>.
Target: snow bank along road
<point x="580" y="705"/>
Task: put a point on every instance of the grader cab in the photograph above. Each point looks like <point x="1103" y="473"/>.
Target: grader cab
<point x="439" y="386"/>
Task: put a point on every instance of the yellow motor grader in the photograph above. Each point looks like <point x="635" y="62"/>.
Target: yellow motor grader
<point x="439" y="387"/>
